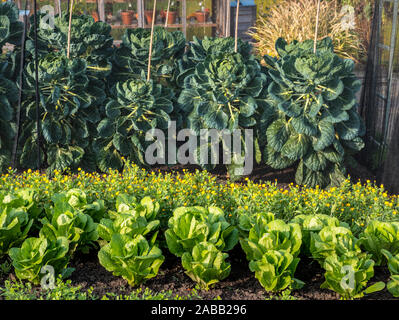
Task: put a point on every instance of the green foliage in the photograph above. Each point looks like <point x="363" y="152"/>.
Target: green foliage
<point x="271" y="247"/>
<point x="247" y="220"/>
<point x="134" y="259"/>
<point x="191" y="225"/>
<point x="348" y="275"/>
<point x="275" y="270"/>
<point x="8" y="99"/>
<point x="393" y="266"/>
<point x="15" y="219"/>
<point x="77" y="199"/>
<point x="36" y="253"/>
<point x="137" y="106"/>
<point x="313" y="224"/>
<point x="332" y="240"/>
<point x="206" y="264"/>
<point x="70" y="101"/>
<point x="63" y="220"/>
<point x="315" y="120"/>
<point x="199" y="236"/>
<point x="224" y="92"/>
<point x="89" y="40"/>
<point x="14" y="227"/>
<point x="10" y="26"/>
<point x="131" y="218"/>
<point x="200" y="49"/>
<point x="380" y="236"/>
<point x="62" y="291"/>
<point x="274" y="235"/>
<point x="132" y="56"/>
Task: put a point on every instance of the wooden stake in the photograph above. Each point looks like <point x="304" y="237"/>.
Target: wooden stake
<point x="69" y="30"/>
<point x="236" y="26"/>
<point x="167" y="15"/>
<point x="151" y="40"/>
<point x="317" y="26"/>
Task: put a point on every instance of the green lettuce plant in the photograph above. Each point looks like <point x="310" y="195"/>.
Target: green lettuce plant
<point x="393" y="266"/>
<point x="14" y="227"/>
<point x="315" y="125"/>
<point x="348" y="275"/>
<point x="191" y="225"/>
<point x="131" y="218"/>
<point x="247" y="220"/>
<point x="206" y="264"/>
<point x="313" y="224"/>
<point x="135" y="259"/>
<point x="147" y="207"/>
<point x="63" y="220"/>
<point x="333" y="240"/>
<point x="275" y="270"/>
<point x="274" y="235"/>
<point x="379" y="235"/>
<point x="77" y="199"/>
<point x="35" y="253"/>
<point x="26" y="200"/>
<point x="136" y="107"/>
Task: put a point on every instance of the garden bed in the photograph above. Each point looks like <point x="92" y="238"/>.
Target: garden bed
<point x="240" y="285"/>
<point x="178" y="186"/>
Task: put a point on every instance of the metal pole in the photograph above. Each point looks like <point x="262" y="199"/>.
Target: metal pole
<point x="21" y="72"/>
<point x="37" y="85"/>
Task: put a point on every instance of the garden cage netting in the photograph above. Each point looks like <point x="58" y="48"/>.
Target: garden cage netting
<point x="379" y="105"/>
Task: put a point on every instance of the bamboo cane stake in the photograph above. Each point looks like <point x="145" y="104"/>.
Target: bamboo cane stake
<point x="167" y="15"/>
<point x="236" y="27"/>
<point x="151" y="40"/>
<point x="317" y="26"/>
<point x="69" y="29"/>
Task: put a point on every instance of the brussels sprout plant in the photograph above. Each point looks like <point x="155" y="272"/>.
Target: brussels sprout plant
<point x="316" y="124"/>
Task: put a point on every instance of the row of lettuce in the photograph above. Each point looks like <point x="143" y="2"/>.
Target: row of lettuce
<point x="96" y="107"/>
<point x="132" y="237"/>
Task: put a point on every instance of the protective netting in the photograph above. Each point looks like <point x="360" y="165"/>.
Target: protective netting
<point x="379" y="105"/>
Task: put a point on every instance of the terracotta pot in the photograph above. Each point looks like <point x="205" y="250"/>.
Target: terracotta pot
<point x="201" y="16"/>
<point x="127" y="17"/>
<point x="171" y="17"/>
<point x="95" y="16"/>
<point x="148" y="16"/>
